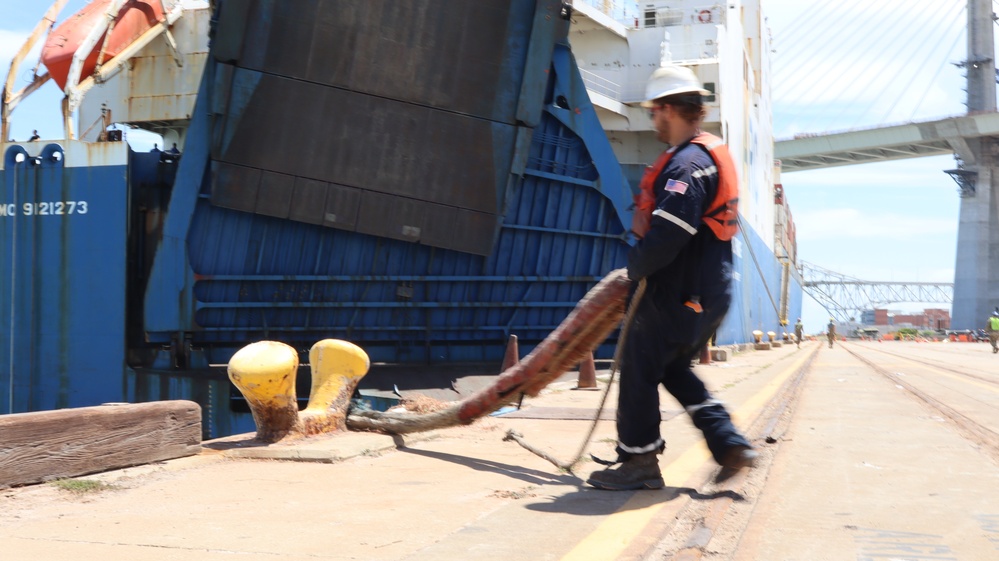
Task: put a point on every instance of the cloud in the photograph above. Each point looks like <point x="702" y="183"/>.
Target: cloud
<point x="10" y="43"/>
<point x="855" y="224"/>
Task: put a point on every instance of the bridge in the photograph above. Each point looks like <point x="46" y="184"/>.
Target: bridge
<point x="846" y="297"/>
<point x="973" y="138"/>
<point x="910" y="140"/>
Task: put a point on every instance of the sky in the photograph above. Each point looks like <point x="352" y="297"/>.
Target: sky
<point x="836" y="66"/>
<point x="855" y="64"/>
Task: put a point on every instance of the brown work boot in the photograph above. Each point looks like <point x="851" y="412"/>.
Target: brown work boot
<point x="640" y="471"/>
<point x="740" y="457"/>
<point x="735" y="459"/>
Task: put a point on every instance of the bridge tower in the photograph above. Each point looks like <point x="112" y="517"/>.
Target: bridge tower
<point x="976" y="272"/>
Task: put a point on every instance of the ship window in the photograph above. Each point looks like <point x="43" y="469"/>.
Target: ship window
<point x="650" y="18"/>
<point x="710" y="86"/>
<point x="663" y="18"/>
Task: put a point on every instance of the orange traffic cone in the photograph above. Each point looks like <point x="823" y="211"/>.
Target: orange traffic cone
<point x="587" y="374"/>
<point x="512" y="355"/>
<point x="705" y="355"/>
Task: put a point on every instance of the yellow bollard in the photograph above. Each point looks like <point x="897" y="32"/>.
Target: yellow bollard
<point x="265" y="374"/>
<point x="337" y="367"/>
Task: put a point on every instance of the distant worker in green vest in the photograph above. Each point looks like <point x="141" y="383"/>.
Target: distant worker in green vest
<point x="993" y="330"/>
<point x="831" y="331"/>
<point x="799" y="332"/>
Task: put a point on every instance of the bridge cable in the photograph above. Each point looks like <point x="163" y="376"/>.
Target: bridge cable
<point x="864" y="37"/>
<point x="943" y="64"/>
<point x="802" y="55"/>
<point x="847" y="62"/>
<point x="956" y="16"/>
<point x="808" y="14"/>
<point x="791" y="39"/>
<point x="953" y="23"/>
<point x="886" y="61"/>
<point x="872" y="42"/>
<point x="850" y="38"/>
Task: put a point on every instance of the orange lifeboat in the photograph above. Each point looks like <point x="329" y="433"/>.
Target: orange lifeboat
<point x="135" y="18"/>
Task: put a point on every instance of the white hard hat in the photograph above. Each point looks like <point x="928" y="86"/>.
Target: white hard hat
<point x="671" y="80"/>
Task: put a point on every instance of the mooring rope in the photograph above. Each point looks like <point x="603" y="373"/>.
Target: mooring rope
<point x="596" y="315"/>
<point x="626" y="324"/>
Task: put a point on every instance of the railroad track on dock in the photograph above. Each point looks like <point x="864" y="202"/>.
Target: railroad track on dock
<point x="994" y="380"/>
<point x="698" y="522"/>
<point x="976" y="432"/>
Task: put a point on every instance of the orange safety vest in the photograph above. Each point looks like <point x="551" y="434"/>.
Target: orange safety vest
<point x="722" y="215"/>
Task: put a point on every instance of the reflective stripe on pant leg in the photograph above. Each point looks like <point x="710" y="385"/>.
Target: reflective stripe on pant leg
<point x="716" y="425"/>
<point x="691" y="409"/>
<point x="654" y="447"/>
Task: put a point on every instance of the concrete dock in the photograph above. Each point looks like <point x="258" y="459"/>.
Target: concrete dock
<point x="869" y="451"/>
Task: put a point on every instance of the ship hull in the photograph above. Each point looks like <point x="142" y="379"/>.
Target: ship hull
<point x="316" y="201"/>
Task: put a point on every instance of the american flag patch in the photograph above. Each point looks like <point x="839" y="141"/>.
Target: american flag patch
<point x="676" y="186"/>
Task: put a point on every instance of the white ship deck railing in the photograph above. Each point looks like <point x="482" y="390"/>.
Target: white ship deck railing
<point x="597" y="83"/>
<point x="633" y="93"/>
<point x="638" y="16"/>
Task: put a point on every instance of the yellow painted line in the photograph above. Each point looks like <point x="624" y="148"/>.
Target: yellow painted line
<point x="620" y="528"/>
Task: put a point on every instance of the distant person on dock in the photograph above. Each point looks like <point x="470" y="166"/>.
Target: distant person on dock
<point x="34" y="136"/>
<point x="831" y="331"/>
<point x="993" y="329"/>
<point x="170" y="155"/>
<point x="799" y="331"/>
<point x="686" y="215"/>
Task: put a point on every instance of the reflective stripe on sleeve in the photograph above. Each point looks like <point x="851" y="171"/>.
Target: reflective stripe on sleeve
<point x="667" y="216"/>
<point x="705" y="172"/>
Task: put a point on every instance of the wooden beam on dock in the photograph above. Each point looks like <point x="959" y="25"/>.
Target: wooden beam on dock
<point x="47" y="445"/>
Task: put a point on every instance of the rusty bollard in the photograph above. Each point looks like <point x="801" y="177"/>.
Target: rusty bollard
<point x="264" y="372"/>
<point x="337" y="367"/>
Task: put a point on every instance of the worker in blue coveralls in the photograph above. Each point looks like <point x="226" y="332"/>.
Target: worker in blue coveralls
<point x="685" y="217"/>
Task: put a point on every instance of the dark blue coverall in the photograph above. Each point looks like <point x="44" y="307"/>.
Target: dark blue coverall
<point x="683" y="261"/>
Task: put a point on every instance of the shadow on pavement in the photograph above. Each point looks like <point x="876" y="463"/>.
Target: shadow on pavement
<point x="597" y="502"/>
<point x="532" y="476"/>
